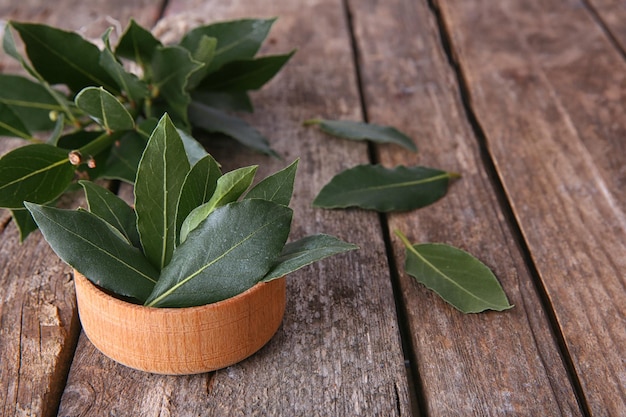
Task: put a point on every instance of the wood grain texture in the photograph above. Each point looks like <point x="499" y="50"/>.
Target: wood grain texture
<point x="490" y="364"/>
<point x="38" y="320"/>
<point x="338" y="351"/>
<point x="612" y="14"/>
<point x="548" y="89"/>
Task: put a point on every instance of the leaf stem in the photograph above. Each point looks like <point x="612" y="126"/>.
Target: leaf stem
<point x="311" y="122"/>
<point x="99" y="144"/>
<point x="403" y="238"/>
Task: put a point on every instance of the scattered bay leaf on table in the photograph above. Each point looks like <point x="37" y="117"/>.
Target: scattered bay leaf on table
<point x="95" y="249"/>
<point x="160" y="176"/>
<point x="225" y="255"/>
<point x="305" y="251"/>
<point x="455" y="275"/>
<point x="353" y="130"/>
<point x="375" y="187"/>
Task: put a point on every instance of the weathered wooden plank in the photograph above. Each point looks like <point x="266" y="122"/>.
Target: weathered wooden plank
<point x="489" y="364"/>
<point x="38" y="320"/>
<point x="548" y="89"/>
<point x="612" y="14"/>
<point x="338" y="350"/>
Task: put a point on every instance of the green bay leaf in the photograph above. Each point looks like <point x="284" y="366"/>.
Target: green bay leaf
<point x="375" y="187"/>
<point x="277" y="187"/>
<point x="172" y="66"/>
<point x="243" y="75"/>
<point x="160" y="177"/>
<point x="224" y="100"/>
<point x="29" y="101"/>
<point x="135" y="89"/>
<point x="229" y="188"/>
<point x="353" y="130"/>
<point x="198" y="187"/>
<point x="113" y="210"/>
<point x="63" y="57"/>
<point x="213" y="120"/>
<point x="204" y="54"/>
<point x="237" y="39"/>
<point x="305" y="251"/>
<point x="456" y="276"/>
<point x="139" y="45"/>
<point x="227" y="254"/>
<point x="89" y="244"/>
<point x="12" y="125"/>
<point x="37" y="173"/>
<point x="104" y="108"/>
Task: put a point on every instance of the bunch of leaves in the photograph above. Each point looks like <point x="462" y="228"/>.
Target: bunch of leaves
<point x="97" y="107"/>
<point x="455" y="275"/>
<point x="195" y="235"/>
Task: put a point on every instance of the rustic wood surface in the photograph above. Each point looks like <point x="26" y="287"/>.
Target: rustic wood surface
<point x="547" y="87"/>
<point x="524" y="98"/>
<point x="404" y="67"/>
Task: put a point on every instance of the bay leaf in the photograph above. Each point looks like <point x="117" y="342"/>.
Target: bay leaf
<point x="353" y="130"/>
<point x="124" y="158"/>
<point x="236" y="39"/>
<point x="29" y="101"/>
<point x="456" y="276"/>
<point x="213" y="120"/>
<point x="195" y="150"/>
<point x="139" y="45"/>
<point x="229" y="188"/>
<point x="171" y="67"/>
<point x="12" y="125"/>
<point x="135" y="89"/>
<point x="305" y="251"/>
<point x="63" y="57"/>
<point x="204" y="54"/>
<point x="199" y="186"/>
<point x="37" y="173"/>
<point x="375" y="187"/>
<point x="104" y="108"/>
<point x="224" y="100"/>
<point x="243" y="75"/>
<point x="277" y="187"/>
<point x="160" y="176"/>
<point x="227" y="254"/>
<point x="90" y="245"/>
<point x="113" y="210"/>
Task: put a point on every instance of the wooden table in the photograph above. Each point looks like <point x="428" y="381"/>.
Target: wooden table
<point x="525" y="98"/>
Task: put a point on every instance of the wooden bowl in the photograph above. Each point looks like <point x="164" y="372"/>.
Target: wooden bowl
<point x="180" y="341"/>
